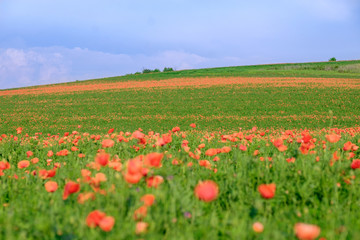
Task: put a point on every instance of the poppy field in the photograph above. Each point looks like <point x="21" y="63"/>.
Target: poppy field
<point x="251" y="184"/>
<point x="218" y="157"/>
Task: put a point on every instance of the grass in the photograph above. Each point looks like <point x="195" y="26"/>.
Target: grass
<point x="315" y="182"/>
<point x="307" y="190"/>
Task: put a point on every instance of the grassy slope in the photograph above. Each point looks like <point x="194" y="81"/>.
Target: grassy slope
<point x="340" y="69"/>
<point x="226" y="107"/>
<point x="307" y="190"/>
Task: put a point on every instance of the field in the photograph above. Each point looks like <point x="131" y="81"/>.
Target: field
<point x="197" y="154"/>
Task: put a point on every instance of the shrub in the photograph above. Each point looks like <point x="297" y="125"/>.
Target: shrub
<point x="146" y="70"/>
<point x="168" y="69"/>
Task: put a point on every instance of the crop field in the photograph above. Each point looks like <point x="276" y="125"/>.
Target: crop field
<point x="256" y="152"/>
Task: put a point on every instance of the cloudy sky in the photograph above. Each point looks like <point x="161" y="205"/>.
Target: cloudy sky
<point x="49" y="41"/>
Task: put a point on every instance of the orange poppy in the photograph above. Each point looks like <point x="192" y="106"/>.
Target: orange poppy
<point x="70" y="188"/>
<point x="93" y="219"/>
<point x="305" y="231"/>
<point x="51" y="186"/>
<point x="267" y="191"/>
<point x="206" y="191"/>
<point x="102" y="159"/>
<point x="141" y="227"/>
<point x="23" y="164"/>
<point x="148" y="199"/>
<point x="107" y="223"/>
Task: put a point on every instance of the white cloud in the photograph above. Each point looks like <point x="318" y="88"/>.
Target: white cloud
<point x="34" y="66"/>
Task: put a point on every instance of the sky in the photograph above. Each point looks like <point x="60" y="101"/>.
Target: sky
<point x="52" y="41"/>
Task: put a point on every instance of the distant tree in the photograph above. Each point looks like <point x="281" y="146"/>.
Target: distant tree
<point x="168" y="69"/>
<point x="146" y="70"/>
<point x="332" y="59"/>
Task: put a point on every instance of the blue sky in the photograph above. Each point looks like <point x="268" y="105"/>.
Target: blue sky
<point x="43" y="41"/>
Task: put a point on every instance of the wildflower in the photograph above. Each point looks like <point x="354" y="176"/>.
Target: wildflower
<point x="305" y="231"/>
<point x="51" y="186"/>
<point x="141" y="227"/>
<point x="70" y="188"/>
<point x="23" y="164"/>
<point x="267" y="191"/>
<point x="148" y="199"/>
<point x="102" y="159"/>
<point x="206" y="191"/>
<point x="258" y="227"/>
<point x="107" y="223"/>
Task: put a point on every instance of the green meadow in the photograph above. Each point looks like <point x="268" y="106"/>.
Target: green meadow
<point x="58" y="138"/>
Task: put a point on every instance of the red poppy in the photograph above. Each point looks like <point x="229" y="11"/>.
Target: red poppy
<point x="355" y="164"/>
<point x="107" y="223"/>
<point x="94" y="218"/>
<point x="305" y="231"/>
<point x="148" y="199"/>
<point x="23" y="164"/>
<point x="102" y="159"/>
<point x="206" y="191"/>
<point x="70" y="188"/>
<point x="267" y="191"/>
<point x="51" y="186"/>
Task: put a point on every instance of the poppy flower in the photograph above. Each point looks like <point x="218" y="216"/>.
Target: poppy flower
<point x="211" y="152"/>
<point x="132" y="178"/>
<point x="94" y="218"/>
<point x="34" y="160"/>
<point x="305" y="231"/>
<point x="333" y="138"/>
<point x="193" y="125"/>
<point x="29" y="153"/>
<point x="267" y="191"/>
<point x="154" y="181"/>
<point x="4" y="165"/>
<point x="141" y="227"/>
<point x="138" y="135"/>
<point x="148" y="199"/>
<point x="23" y="164"/>
<point x="258" y="227"/>
<point x="153" y="159"/>
<point x="206" y="191"/>
<point x="50" y="153"/>
<point x="175" y="129"/>
<point x="111" y="130"/>
<point x="242" y="148"/>
<point x="355" y="164"/>
<point x="83" y="197"/>
<point x="205" y="163"/>
<point x="70" y="188"/>
<point x="19" y="130"/>
<point x="107" y="143"/>
<point x="140" y="213"/>
<point x="107" y="223"/>
<point x="51" y="186"/>
<point x="102" y="159"/>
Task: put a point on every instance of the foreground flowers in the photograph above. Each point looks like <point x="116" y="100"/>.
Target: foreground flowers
<point x="206" y="191"/>
<point x="98" y="218"/>
<point x="149" y="179"/>
<point x="267" y="191"/>
<point x="305" y="231"/>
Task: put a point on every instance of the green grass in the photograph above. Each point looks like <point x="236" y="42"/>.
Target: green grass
<point x="325" y="192"/>
<point x="227" y="107"/>
<point x="306" y="191"/>
<point x="339" y="69"/>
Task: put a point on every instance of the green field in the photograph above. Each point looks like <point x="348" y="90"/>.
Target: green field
<point x="313" y="166"/>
